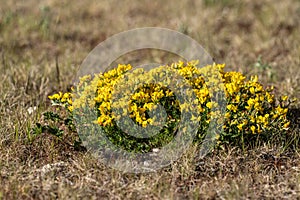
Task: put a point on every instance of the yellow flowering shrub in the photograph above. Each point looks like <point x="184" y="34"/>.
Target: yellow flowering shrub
<point x="251" y="110"/>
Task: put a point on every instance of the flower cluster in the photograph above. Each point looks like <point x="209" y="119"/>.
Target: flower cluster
<point x="62" y="99"/>
<point x="250" y="108"/>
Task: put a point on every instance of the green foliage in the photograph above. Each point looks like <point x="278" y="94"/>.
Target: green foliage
<point x="52" y="125"/>
<point x="54" y="130"/>
<point x="252" y="113"/>
<point x="217" y="2"/>
<point x="52" y="116"/>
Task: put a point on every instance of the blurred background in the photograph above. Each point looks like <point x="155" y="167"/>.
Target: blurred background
<point x="250" y="36"/>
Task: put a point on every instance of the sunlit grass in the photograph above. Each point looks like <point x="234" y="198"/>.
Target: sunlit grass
<point x="37" y="38"/>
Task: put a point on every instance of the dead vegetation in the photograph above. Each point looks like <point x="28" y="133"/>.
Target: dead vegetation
<point x="42" y="44"/>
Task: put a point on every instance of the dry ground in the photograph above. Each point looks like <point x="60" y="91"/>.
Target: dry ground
<point x="37" y="37"/>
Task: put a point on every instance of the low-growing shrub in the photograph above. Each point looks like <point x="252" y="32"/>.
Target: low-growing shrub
<point x="251" y="112"/>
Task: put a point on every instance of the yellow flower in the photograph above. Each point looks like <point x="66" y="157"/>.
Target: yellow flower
<point x="250" y="103"/>
<point x="257" y="106"/>
<point x="254" y="78"/>
<point x="238" y="99"/>
<point x="245" y="121"/>
<point x="150" y="121"/>
<point x="231" y="88"/>
<point x="204" y="92"/>
<point x="133" y="108"/>
<point x="284" y="98"/>
<point x="227" y="115"/>
<point x="169" y="93"/>
<point x="269" y="97"/>
<point x="157" y="95"/>
<point x="252" y="90"/>
<point x="200" y="109"/>
<point x="286" y="125"/>
<point x="70" y="101"/>
<point x="280" y="110"/>
<point x="252" y="129"/>
<point x="240" y="126"/>
<point x="209" y="105"/>
<point x="262" y="119"/>
<point x="261" y="98"/>
<point x="70" y="108"/>
<point x="65" y="97"/>
<point x="275" y="116"/>
<point x="233" y="122"/>
<point x="232" y="107"/>
<point x="144" y="124"/>
<point x="251" y="107"/>
<point x="267" y="116"/>
<point x="193" y="118"/>
<point x="55" y="96"/>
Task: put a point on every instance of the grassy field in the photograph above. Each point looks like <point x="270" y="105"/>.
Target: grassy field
<point x="42" y="44"/>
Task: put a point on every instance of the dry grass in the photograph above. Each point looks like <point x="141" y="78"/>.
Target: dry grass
<point x="35" y="36"/>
